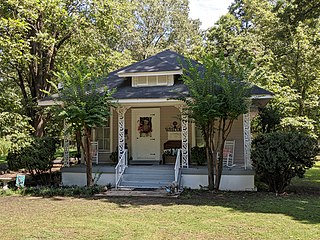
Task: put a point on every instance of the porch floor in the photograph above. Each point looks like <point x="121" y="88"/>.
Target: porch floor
<point x="192" y="170"/>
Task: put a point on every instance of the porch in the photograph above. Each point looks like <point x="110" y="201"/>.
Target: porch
<point x="158" y="176"/>
<point x="146" y="156"/>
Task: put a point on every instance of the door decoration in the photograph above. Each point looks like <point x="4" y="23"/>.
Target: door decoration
<point x="145" y="126"/>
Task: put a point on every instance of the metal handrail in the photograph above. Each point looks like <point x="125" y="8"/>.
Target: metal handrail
<point x="177" y="166"/>
<point x="121" y="166"/>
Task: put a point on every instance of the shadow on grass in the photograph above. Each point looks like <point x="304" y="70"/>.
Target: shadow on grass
<point x="301" y="207"/>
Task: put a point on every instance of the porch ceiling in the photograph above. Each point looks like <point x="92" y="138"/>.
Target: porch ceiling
<point x="155" y="102"/>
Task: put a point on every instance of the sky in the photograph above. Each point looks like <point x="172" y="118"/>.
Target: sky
<point x="208" y="11"/>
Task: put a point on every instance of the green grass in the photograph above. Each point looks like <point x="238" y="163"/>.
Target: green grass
<point x="195" y="215"/>
<point x="311" y="180"/>
<point x="203" y="216"/>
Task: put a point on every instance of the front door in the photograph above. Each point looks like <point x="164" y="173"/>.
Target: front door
<point x="146" y="134"/>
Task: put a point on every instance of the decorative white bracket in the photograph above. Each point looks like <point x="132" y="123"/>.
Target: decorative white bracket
<point x="121" y="110"/>
<point x="66" y="157"/>
<point x="184" y="137"/>
<point x="247" y="140"/>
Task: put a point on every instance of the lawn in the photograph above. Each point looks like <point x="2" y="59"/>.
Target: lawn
<point x="195" y="215"/>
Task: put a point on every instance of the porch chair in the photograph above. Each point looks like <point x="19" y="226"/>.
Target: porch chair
<point x="228" y="153"/>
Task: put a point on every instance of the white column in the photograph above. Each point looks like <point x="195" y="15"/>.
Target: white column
<point x="184" y="137"/>
<point x="185" y="141"/>
<point x="121" y="129"/>
<point x="66" y="157"/>
<point x="247" y="140"/>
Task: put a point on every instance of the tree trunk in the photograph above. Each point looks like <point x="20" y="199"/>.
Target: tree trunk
<point x="219" y="166"/>
<point x="39" y="125"/>
<point x="208" y="134"/>
<point x="88" y="157"/>
<point x="210" y="169"/>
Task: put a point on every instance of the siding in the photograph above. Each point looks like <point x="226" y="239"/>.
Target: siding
<point x="167" y="116"/>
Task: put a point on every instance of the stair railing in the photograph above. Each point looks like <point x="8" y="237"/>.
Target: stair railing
<point x="121" y="166"/>
<point x="177" y="167"/>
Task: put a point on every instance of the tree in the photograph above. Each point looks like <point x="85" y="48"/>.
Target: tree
<point x="162" y="24"/>
<point x="85" y="104"/>
<point x="282" y="39"/>
<point x="218" y="95"/>
<point x="38" y="38"/>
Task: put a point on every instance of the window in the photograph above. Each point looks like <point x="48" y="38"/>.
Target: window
<point x="157" y="80"/>
<point x="103" y="137"/>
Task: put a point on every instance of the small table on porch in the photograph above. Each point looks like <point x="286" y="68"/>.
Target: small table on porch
<point x="171" y="144"/>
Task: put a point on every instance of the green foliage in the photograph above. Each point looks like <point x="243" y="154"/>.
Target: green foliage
<point x="85" y="104"/>
<point x="198" y="155"/>
<point x="85" y="101"/>
<point x="4" y="146"/>
<point x="219" y="93"/>
<point x="73" y="191"/>
<point x="282" y="39"/>
<point x="159" y="25"/>
<point x="14" y="125"/>
<point x="36" y="155"/>
<point x="268" y="120"/>
<point x="38" y="38"/>
<point x="279" y="156"/>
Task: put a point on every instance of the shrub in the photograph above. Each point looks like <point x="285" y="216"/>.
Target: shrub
<point x="198" y="155"/>
<point x="36" y="156"/>
<point x="279" y="156"/>
<point x="4" y="146"/>
<point x="72" y="191"/>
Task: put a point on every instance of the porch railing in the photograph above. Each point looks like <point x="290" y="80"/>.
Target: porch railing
<point x="177" y="167"/>
<point x="121" y="166"/>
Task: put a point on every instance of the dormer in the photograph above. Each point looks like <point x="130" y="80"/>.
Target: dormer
<point x="144" y="79"/>
<point x="158" y="70"/>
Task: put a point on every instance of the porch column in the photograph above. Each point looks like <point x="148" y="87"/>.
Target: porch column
<point x="121" y="129"/>
<point x="66" y="157"/>
<point x="247" y="140"/>
<point x="184" y="137"/>
<point x="185" y="141"/>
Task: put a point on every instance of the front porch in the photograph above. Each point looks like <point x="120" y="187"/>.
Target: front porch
<point x="151" y="143"/>
<point x="195" y="177"/>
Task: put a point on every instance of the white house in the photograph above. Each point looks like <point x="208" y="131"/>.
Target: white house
<point x="152" y="137"/>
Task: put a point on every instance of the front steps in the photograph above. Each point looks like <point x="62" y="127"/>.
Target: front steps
<point x="147" y="177"/>
<point x="144" y="162"/>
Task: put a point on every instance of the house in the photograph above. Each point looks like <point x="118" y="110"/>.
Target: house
<point x="150" y="138"/>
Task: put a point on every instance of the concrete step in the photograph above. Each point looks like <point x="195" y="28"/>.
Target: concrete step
<point x="144" y="162"/>
<point x="146" y="177"/>
<point x="145" y="184"/>
<point x="145" y="170"/>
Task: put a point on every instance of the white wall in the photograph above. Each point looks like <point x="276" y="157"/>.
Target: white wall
<point x="228" y="182"/>
<point x="80" y="179"/>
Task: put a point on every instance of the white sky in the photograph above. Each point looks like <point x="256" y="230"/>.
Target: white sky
<point x="208" y="11"/>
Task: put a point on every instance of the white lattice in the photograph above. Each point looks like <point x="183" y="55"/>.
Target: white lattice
<point x="121" y="129"/>
<point x="184" y="136"/>
<point x="185" y="148"/>
<point x="247" y="140"/>
<point x="66" y="157"/>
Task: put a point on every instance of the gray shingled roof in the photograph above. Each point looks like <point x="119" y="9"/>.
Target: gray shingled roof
<point x="163" y="61"/>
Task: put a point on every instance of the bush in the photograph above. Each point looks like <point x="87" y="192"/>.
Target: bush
<point x="198" y="155"/>
<point x="72" y="191"/>
<point x="35" y="156"/>
<point x="4" y="146"/>
<point x="278" y="157"/>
